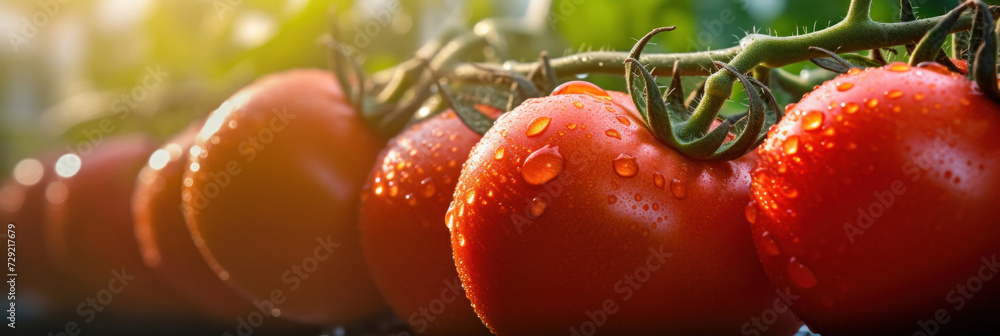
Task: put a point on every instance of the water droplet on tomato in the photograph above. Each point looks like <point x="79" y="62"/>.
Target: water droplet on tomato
<point x="918" y="96"/>
<point x="537" y="207"/>
<point x="791" y="145"/>
<point x="751" y="212"/>
<point x="427" y="187"/>
<point x="499" y="153"/>
<point x="379" y="189"/>
<point x="812" y="121"/>
<point x="449" y="219"/>
<point x="623" y="120"/>
<point x="638" y="198"/>
<point x="789" y="192"/>
<point x="854" y="71"/>
<point x="625" y="165"/>
<point x="964" y="101"/>
<point x="872" y="103"/>
<point x="411" y="199"/>
<point x="542" y="166"/>
<point x="899" y="67"/>
<point x="678" y="189"/>
<point x="767" y="246"/>
<point x="609" y="108"/>
<point x="658" y="180"/>
<point x="800" y="275"/>
<point x="581" y="87"/>
<point x="789" y="107"/>
<point x="578" y="104"/>
<point x="461" y="240"/>
<point x="851" y="108"/>
<point x="537" y="126"/>
<point x="935" y="67"/>
<point x="844" y="86"/>
<point x="470" y="197"/>
<point x="893" y="94"/>
<point x="571" y="126"/>
<point x="613" y="133"/>
<point x="612" y="199"/>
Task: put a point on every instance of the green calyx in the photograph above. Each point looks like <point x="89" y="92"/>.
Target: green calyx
<point x="982" y="63"/>
<point x="669" y="117"/>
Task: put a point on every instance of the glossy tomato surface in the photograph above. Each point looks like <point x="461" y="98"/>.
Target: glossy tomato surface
<point x="90" y="232"/>
<point x="271" y="197"/>
<point x="22" y="208"/>
<point x="875" y="203"/>
<point x="402" y="226"/>
<point x="163" y="236"/>
<point x="571" y="218"/>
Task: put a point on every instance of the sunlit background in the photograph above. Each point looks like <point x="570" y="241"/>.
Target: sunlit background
<point x="155" y="65"/>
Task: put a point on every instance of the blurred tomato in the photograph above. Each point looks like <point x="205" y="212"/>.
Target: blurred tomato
<point x="164" y="239"/>
<point x="271" y="197"/>
<point x="90" y="232"/>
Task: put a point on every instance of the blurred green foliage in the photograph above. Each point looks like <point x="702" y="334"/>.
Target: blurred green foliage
<point x="67" y="77"/>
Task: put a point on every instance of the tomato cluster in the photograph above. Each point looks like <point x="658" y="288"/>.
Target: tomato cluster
<point x="868" y="208"/>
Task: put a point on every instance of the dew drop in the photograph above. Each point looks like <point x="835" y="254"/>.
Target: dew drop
<point x="789" y="192"/>
<point x="461" y="240"/>
<point x="678" y="189"/>
<point x="899" y="67"/>
<point x="581" y="87"/>
<point x="470" y="197"/>
<point x="612" y="199"/>
<point x="427" y="187"/>
<point x="658" y="180"/>
<point x="623" y="120"/>
<point x="542" y="166"/>
<point x="812" y="121"/>
<point x="449" y="219"/>
<point x="613" y="133"/>
<point x="411" y="199"/>
<point x="537" y="126"/>
<point x="964" y="101"/>
<point x="537" y="206"/>
<point x="872" y="103"/>
<point x="893" y="94"/>
<point x="767" y="246"/>
<point x="789" y="107"/>
<point x="638" y="198"/>
<point x="498" y="155"/>
<point x="844" y="86"/>
<point x="609" y="108"/>
<point x="791" y="145"/>
<point x="379" y="189"/>
<point x="935" y="67"/>
<point x="854" y="71"/>
<point x="625" y="165"/>
<point x="578" y="104"/>
<point x="800" y="275"/>
<point x="751" y="212"/>
<point x="851" y="108"/>
<point x="571" y="126"/>
<point x="918" y="96"/>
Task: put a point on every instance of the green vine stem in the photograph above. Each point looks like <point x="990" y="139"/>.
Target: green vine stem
<point x="856" y="32"/>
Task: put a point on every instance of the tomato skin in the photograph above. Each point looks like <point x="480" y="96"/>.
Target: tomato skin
<point x="22" y="202"/>
<point x="90" y="233"/>
<point x="890" y="212"/>
<point x="598" y="232"/>
<point x="163" y="237"/>
<point x="405" y="241"/>
<point x="274" y="201"/>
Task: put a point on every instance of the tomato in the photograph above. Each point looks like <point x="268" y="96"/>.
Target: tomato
<point x="570" y="217"/>
<point x="163" y="237"/>
<point x="22" y="203"/>
<point x="961" y="64"/>
<point x="874" y="201"/>
<point x="405" y="241"/>
<point x="271" y="197"/>
<point x="90" y="233"/>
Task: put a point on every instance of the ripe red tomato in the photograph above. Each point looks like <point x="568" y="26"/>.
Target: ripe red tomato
<point x="405" y="241"/>
<point x="875" y="202"/>
<point x="164" y="239"/>
<point x="90" y="233"/>
<point x="41" y="285"/>
<point x="571" y="217"/>
<point x="271" y="197"/>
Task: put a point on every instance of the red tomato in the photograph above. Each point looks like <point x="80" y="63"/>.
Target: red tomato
<point x="875" y="202"/>
<point x="961" y="64"/>
<point x="164" y="240"/>
<point x="570" y="217"/>
<point x="402" y="228"/>
<point x="271" y="197"/>
<point x="90" y="233"/>
<point x="41" y="286"/>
